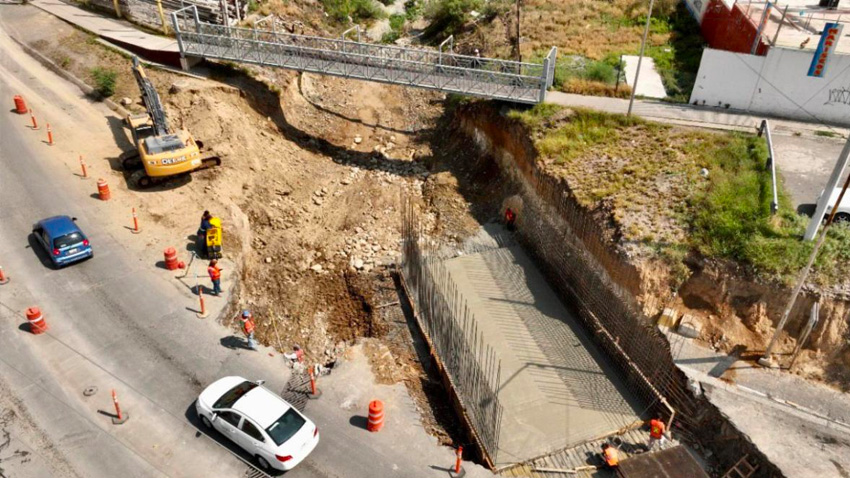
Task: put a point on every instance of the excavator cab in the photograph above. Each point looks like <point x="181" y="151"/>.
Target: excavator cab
<point x="214" y="239"/>
<point x="160" y="152"/>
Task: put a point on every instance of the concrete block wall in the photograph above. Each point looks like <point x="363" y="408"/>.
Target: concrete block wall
<point x="775" y="85"/>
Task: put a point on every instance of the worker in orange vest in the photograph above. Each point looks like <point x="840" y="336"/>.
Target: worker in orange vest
<point x="610" y="456"/>
<point x="215" y="276"/>
<point x="656" y="433"/>
<point x="510" y="219"/>
<point x="248" y="328"/>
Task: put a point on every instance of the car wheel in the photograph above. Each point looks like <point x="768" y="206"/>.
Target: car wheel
<point x="263" y="463"/>
<point x="206" y="421"/>
<point x="842" y="217"/>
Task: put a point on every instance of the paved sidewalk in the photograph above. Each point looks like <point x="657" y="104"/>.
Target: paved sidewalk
<point x="689" y="115"/>
<point x="801" y="426"/>
<point x="119" y="32"/>
<point x="650" y="85"/>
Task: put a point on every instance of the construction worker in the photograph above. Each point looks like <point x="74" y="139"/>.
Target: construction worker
<point x="248" y="328"/>
<point x="215" y="276"/>
<point x="656" y="433"/>
<point x="610" y="456"/>
<point x="510" y="219"/>
<point x="201" y="246"/>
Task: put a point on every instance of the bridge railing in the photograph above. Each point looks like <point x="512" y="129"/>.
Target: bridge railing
<point x="445" y="71"/>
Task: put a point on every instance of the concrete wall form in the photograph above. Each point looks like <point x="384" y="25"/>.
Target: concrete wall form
<point x="546" y="228"/>
<point x="776" y="84"/>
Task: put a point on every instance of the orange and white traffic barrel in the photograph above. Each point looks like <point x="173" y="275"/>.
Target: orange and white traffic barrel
<point x="103" y="190"/>
<point x="20" y="105"/>
<point x="376" y="416"/>
<point x="36" y="321"/>
<point x="171" y="262"/>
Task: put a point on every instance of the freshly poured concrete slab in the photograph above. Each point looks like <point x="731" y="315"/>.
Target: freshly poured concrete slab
<point x="557" y="390"/>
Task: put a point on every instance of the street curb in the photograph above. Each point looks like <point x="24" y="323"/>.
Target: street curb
<point x="83" y="86"/>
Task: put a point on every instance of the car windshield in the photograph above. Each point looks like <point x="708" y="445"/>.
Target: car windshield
<point x="286" y="426"/>
<point x="228" y="399"/>
<point x="67" y="240"/>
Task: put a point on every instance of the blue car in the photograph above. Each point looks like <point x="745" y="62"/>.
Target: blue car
<point x="62" y="239"/>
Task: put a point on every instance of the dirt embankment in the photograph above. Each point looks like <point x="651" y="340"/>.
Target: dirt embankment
<point x="737" y="309"/>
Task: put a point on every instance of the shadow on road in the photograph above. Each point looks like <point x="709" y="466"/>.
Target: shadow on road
<point x="234" y="343"/>
<point x="807" y="209"/>
<point x="359" y="421"/>
<point x="39" y="252"/>
<point x="219" y="439"/>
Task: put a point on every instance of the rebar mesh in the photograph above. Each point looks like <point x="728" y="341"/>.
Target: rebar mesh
<point x="453" y="334"/>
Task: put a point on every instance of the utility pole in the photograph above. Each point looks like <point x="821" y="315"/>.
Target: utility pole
<point x="518" y="51"/>
<point x="823" y="202"/>
<point x="765" y="360"/>
<point x="640" y="58"/>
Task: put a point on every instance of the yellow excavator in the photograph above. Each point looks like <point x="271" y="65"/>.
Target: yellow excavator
<point x="160" y="152"/>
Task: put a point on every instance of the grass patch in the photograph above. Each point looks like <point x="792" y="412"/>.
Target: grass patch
<point x="648" y="176"/>
<point x="827" y="134"/>
<point x="599" y="33"/>
<point x="104" y="81"/>
<point x="731" y="219"/>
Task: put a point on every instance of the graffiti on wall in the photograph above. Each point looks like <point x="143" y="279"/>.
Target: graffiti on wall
<point x="839" y="96"/>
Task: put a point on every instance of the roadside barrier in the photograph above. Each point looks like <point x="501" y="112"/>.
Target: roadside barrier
<point x="37" y="323"/>
<point x="49" y="135"/>
<point x="34" y="122"/>
<point x="3" y="278"/>
<point x="20" y="105"/>
<point x="103" y="190"/>
<point x="203" y="313"/>
<point x="119" y="417"/>
<point x="314" y="390"/>
<point x="376" y="416"/>
<point x="83" y="167"/>
<point x="171" y="262"/>
<point x="136" y="229"/>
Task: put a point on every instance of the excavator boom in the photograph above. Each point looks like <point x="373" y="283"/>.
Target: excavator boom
<point x="151" y="100"/>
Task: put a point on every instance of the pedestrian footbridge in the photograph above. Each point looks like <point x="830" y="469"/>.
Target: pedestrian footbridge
<point x="440" y="70"/>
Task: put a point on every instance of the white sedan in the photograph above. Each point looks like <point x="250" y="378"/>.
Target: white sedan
<point x="276" y="434"/>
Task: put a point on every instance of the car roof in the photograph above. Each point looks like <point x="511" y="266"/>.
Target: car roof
<point x="261" y="406"/>
<point x="59" y="225"/>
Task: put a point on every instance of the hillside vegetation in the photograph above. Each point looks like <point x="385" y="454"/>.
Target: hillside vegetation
<point x="672" y="190"/>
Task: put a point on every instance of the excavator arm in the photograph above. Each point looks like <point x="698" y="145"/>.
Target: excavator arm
<point x="151" y="100"/>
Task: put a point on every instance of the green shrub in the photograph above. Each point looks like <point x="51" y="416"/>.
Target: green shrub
<point x="599" y="71"/>
<point x="104" y="80"/>
<point x="357" y="10"/>
<point x="396" y="29"/>
<point x="448" y="16"/>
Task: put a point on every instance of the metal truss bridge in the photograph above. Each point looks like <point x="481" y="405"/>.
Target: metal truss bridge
<point x="440" y="70"/>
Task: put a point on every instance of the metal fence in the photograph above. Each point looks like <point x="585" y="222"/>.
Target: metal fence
<point x="440" y="69"/>
<point x="453" y="335"/>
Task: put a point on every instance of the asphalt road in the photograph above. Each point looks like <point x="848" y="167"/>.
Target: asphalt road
<point x="117" y="322"/>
